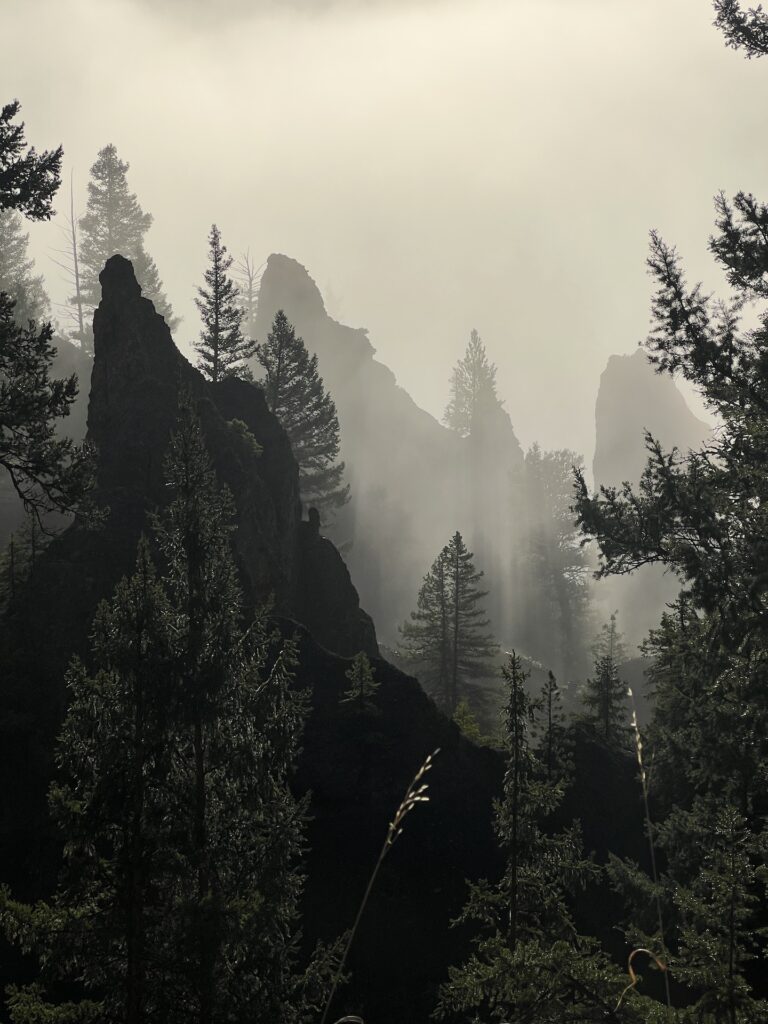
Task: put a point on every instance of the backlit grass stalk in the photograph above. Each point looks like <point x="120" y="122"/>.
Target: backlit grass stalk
<point x="415" y="794"/>
<point x="649" y="830"/>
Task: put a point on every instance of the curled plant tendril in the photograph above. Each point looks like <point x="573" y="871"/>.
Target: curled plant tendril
<point x="633" y="979"/>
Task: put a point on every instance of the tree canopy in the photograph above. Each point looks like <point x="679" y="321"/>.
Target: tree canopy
<point x="28" y="180"/>
<point x="744" y="29"/>
<point x="48" y="473"/>
<point x="295" y="393"/>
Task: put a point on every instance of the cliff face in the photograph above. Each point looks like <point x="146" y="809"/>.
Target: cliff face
<point x="413" y="482"/>
<point x="137" y="378"/>
<point x="634" y="398"/>
<point x="356" y="764"/>
<point x="138" y="375"/>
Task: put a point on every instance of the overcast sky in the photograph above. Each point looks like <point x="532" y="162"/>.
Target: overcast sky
<point x="437" y="165"/>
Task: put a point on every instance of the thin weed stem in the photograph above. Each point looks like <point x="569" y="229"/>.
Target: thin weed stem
<point x="415" y="794"/>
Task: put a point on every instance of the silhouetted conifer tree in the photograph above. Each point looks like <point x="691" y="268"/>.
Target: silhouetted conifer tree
<point x="557" y="618"/>
<point x="473" y="387"/>
<point x="115" y="223"/>
<point x="28" y="180"/>
<point x="448" y="635"/>
<point x="239" y="831"/>
<point x="223" y="349"/>
<point x="467" y="722"/>
<point x="47" y="474"/>
<point x="743" y="29"/>
<point x="362" y="682"/>
<point x="295" y="393"/>
<point x="20" y="557"/>
<point x="426" y="636"/>
<point x="551" y="732"/>
<point x="605" y="694"/>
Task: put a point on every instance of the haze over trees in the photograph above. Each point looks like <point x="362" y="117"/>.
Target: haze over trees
<point x="559" y="609"/>
<point x="17" y="277"/>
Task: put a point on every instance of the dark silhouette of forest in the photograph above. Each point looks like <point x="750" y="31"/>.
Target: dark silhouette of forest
<point x="315" y="709"/>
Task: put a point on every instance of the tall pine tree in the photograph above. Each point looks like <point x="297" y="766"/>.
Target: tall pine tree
<point x="557" y="610"/>
<point x="223" y="349"/>
<point x="295" y="393"/>
<point x="605" y="694"/>
<point x="473" y="388"/>
<point x="114" y="222"/>
<point x="448" y="636"/>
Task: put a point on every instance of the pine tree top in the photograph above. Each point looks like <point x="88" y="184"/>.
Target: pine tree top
<point x="296" y="394"/>
<point x="473" y="388"/>
<point x="223" y="348"/>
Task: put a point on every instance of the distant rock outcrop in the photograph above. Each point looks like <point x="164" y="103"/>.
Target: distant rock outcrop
<point x="413" y="481"/>
<point x="633" y="399"/>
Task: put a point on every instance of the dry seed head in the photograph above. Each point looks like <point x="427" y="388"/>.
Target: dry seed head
<point x="415" y="794"/>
